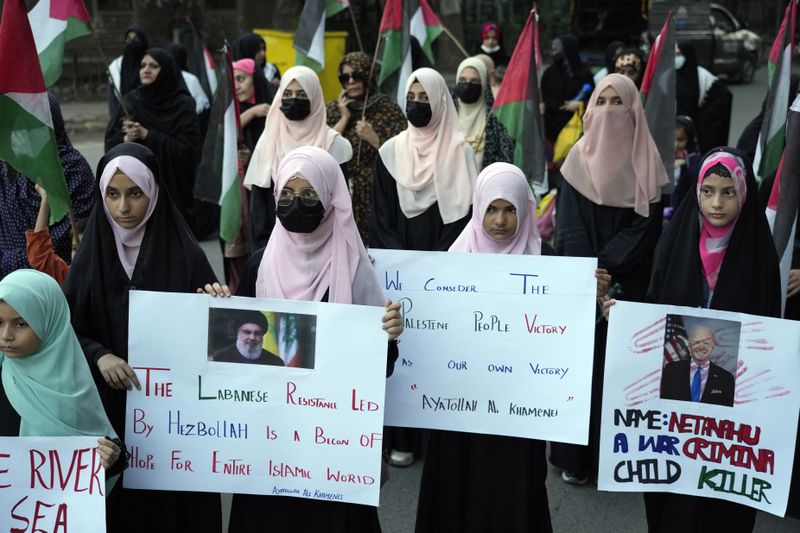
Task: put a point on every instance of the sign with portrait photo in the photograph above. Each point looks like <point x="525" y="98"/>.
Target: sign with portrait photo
<point x="256" y="396"/>
<point x="700" y="402"/>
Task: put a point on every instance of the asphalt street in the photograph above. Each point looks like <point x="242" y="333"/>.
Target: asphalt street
<point x="573" y="509"/>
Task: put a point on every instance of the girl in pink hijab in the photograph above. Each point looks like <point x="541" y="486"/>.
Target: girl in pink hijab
<point x="461" y="469"/>
<point x="315" y="254"/>
<point x="609" y="207"/>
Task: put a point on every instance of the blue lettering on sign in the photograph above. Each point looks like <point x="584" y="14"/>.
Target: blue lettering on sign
<point x="393" y="284"/>
<point x="503" y="369"/>
<point x="531" y="288"/>
<point x="430" y="286"/>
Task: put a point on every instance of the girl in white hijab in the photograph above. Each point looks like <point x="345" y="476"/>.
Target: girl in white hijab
<point x="424" y="176"/>
<point x="297" y="118"/>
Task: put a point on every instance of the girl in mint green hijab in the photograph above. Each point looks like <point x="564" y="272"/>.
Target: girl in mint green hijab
<point x="44" y="371"/>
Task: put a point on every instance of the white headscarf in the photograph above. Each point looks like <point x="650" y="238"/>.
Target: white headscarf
<point x="433" y="163"/>
<point x="473" y="116"/>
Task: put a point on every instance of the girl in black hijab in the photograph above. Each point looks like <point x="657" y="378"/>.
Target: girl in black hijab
<point x="562" y="84"/>
<point x="252" y="45"/>
<point x="612" y="51"/>
<point x="163" y="118"/>
<point x="702" y="97"/>
<point x="159" y="254"/>
<point x="124" y="70"/>
<point x="746" y="281"/>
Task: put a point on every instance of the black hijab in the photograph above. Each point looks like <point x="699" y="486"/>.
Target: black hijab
<point x="572" y="63"/>
<point x="749" y="278"/>
<point x="687" y="87"/>
<point x="155" y="103"/>
<point x="611" y="54"/>
<point x="692" y="145"/>
<point x="132" y="60"/>
<point x="247" y="46"/>
<point x="179" y="54"/>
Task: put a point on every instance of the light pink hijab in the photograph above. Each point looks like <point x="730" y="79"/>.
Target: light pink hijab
<point x="714" y="239"/>
<point x="303" y="266"/>
<point x="129" y="240"/>
<point x="501" y="181"/>
<point x="616" y="162"/>
<point x="282" y="135"/>
<point x="433" y="163"/>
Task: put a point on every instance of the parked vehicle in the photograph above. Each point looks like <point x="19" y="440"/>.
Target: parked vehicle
<point x="724" y="44"/>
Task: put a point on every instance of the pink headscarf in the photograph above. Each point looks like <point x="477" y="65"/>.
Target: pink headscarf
<point x="282" y="135"/>
<point x="248" y="66"/>
<point x="714" y="239"/>
<point x="433" y="163"/>
<point x="505" y="182"/>
<point x="616" y="162"/>
<point x="129" y="240"/>
<point x="303" y="266"/>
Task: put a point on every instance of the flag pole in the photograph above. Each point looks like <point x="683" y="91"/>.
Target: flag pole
<point x="117" y="93"/>
<point x="366" y="93"/>
<point x="455" y="41"/>
<point x="355" y="27"/>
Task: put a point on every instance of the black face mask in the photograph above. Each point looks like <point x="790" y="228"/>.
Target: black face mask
<point x="296" y="108"/>
<point x="300" y="218"/>
<point x="135" y="47"/>
<point x="558" y="57"/>
<point x="469" y="93"/>
<point x="419" y="113"/>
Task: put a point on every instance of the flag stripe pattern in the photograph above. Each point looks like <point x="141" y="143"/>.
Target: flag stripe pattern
<point x="218" y="178"/>
<point x="27" y="140"/>
<point x="54" y="22"/>
<point x="517" y="107"/>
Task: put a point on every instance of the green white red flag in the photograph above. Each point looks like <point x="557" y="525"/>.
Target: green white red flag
<point x="54" y="22"/>
<point x="401" y="20"/>
<point x="27" y="141"/>
<point x="199" y="60"/>
<point x="517" y="106"/>
<point x="658" y="94"/>
<point x="772" y="139"/>
<point x="218" y="177"/>
<point x="309" y="40"/>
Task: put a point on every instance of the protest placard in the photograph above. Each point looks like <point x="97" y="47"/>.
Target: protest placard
<point x="52" y="484"/>
<point x="726" y="432"/>
<point x="496" y="344"/>
<point x="256" y="396"/>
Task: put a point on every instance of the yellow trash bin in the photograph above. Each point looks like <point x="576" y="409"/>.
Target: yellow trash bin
<point x="280" y="52"/>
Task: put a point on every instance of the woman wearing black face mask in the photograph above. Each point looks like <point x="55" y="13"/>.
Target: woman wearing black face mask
<point x="297" y="118"/>
<point x="487" y="137"/>
<point x="315" y="255"/>
<point x="124" y="70"/>
<point x="562" y="83"/>
<point x="422" y="193"/>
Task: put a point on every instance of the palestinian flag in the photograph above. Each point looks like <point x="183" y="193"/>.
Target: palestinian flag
<point x="199" y="60"/>
<point x="784" y="198"/>
<point x="401" y="20"/>
<point x="309" y="41"/>
<point x="658" y="95"/>
<point x="54" y="22"/>
<point x="517" y="106"/>
<point x="27" y="141"/>
<point x="218" y="179"/>
<point x="773" y="137"/>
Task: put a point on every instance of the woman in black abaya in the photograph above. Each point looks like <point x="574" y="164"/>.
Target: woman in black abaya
<point x="162" y="118"/>
<point x="746" y="281"/>
<point x="124" y="70"/>
<point x="609" y="207"/>
<point x="562" y="83"/>
<point x="159" y="254"/>
<point x="702" y="97"/>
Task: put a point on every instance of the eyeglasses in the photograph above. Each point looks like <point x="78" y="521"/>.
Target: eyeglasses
<point x="344" y="79"/>
<point x="308" y="197"/>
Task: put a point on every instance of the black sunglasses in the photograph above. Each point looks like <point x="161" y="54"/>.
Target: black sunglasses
<point x="344" y="79"/>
